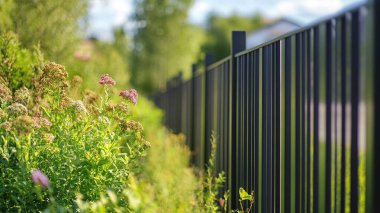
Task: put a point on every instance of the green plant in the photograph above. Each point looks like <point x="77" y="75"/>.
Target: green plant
<point x="84" y="146"/>
<point x="244" y="196"/>
<point x="18" y="65"/>
<point x="210" y="184"/>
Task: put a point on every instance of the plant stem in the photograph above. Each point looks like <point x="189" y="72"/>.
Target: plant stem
<point x="241" y="205"/>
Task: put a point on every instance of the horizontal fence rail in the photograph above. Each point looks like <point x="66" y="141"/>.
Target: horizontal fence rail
<point x="292" y="117"/>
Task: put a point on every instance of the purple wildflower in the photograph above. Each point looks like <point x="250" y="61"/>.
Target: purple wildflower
<point x="130" y="95"/>
<point x="40" y="178"/>
<point x="106" y="80"/>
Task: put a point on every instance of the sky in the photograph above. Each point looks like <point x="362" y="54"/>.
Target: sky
<point x="106" y="14"/>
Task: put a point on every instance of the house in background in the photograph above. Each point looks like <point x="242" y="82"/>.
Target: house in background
<point x="271" y="31"/>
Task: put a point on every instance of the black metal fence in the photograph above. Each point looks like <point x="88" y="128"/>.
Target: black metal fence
<point x="293" y="118"/>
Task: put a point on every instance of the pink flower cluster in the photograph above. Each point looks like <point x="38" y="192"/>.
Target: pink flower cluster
<point x="106" y="80"/>
<point x="130" y="95"/>
<point x="40" y="178"/>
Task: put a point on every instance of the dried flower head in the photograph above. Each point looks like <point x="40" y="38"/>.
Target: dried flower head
<point x="110" y="107"/>
<point x="130" y="95"/>
<point x="104" y="119"/>
<point x="6" y="125"/>
<point x="2" y="114"/>
<point x="106" y="80"/>
<point x="67" y="102"/>
<point x="48" y="137"/>
<point x="76" y="81"/>
<point x="17" y="109"/>
<point x="22" y="96"/>
<point x="41" y="122"/>
<point x="40" y="178"/>
<point x="5" y="93"/>
<point x="145" y="143"/>
<point x="79" y="107"/>
<point x="53" y="79"/>
<point x="122" y="108"/>
<point x="132" y="126"/>
<point x="23" y="124"/>
<point x="90" y="97"/>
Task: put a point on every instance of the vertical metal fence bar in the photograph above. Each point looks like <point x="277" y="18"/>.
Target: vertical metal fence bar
<point x="302" y="117"/>
<point x="334" y="116"/>
<point x="247" y="120"/>
<point x="316" y="120"/>
<point x="373" y="90"/>
<point x="270" y="127"/>
<point x="226" y="123"/>
<point x="239" y="122"/>
<point x="277" y="139"/>
<point x="238" y="45"/>
<point x="298" y="124"/>
<point x="343" y="99"/>
<point x="355" y="66"/>
<point x="251" y="150"/>
<point x="256" y="55"/>
<point x="242" y="123"/>
<point x="288" y="110"/>
<point x="192" y="115"/>
<point x="328" y="114"/>
<point x="265" y="194"/>
<point x="308" y="119"/>
<point x="219" y="122"/>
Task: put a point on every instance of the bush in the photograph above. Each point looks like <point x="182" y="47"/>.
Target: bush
<point x="18" y="65"/>
<point x="84" y="146"/>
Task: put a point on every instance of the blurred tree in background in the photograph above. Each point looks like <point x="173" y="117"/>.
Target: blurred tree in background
<point x="6" y="6"/>
<point x="164" y="42"/>
<point x="219" y="30"/>
<point x="58" y="28"/>
<point x="54" y="25"/>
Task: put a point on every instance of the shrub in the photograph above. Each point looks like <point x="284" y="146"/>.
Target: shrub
<point x="83" y="146"/>
<point x="17" y="65"/>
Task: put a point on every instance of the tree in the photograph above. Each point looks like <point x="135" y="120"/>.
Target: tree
<point x="219" y="30"/>
<point x="54" y="25"/>
<point x="164" y="42"/>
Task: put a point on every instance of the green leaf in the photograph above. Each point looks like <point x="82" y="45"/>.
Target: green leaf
<point x="244" y="195"/>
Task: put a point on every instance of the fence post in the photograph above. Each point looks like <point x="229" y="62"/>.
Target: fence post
<point x="209" y="59"/>
<point x="373" y="104"/>
<point x="238" y="45"/>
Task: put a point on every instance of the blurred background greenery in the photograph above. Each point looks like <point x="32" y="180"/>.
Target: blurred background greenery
<point x="162" y="43"/>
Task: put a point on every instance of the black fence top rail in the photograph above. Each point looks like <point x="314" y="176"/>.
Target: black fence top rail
<point x="216" y="64"/>
<point x="348" y="9"/>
